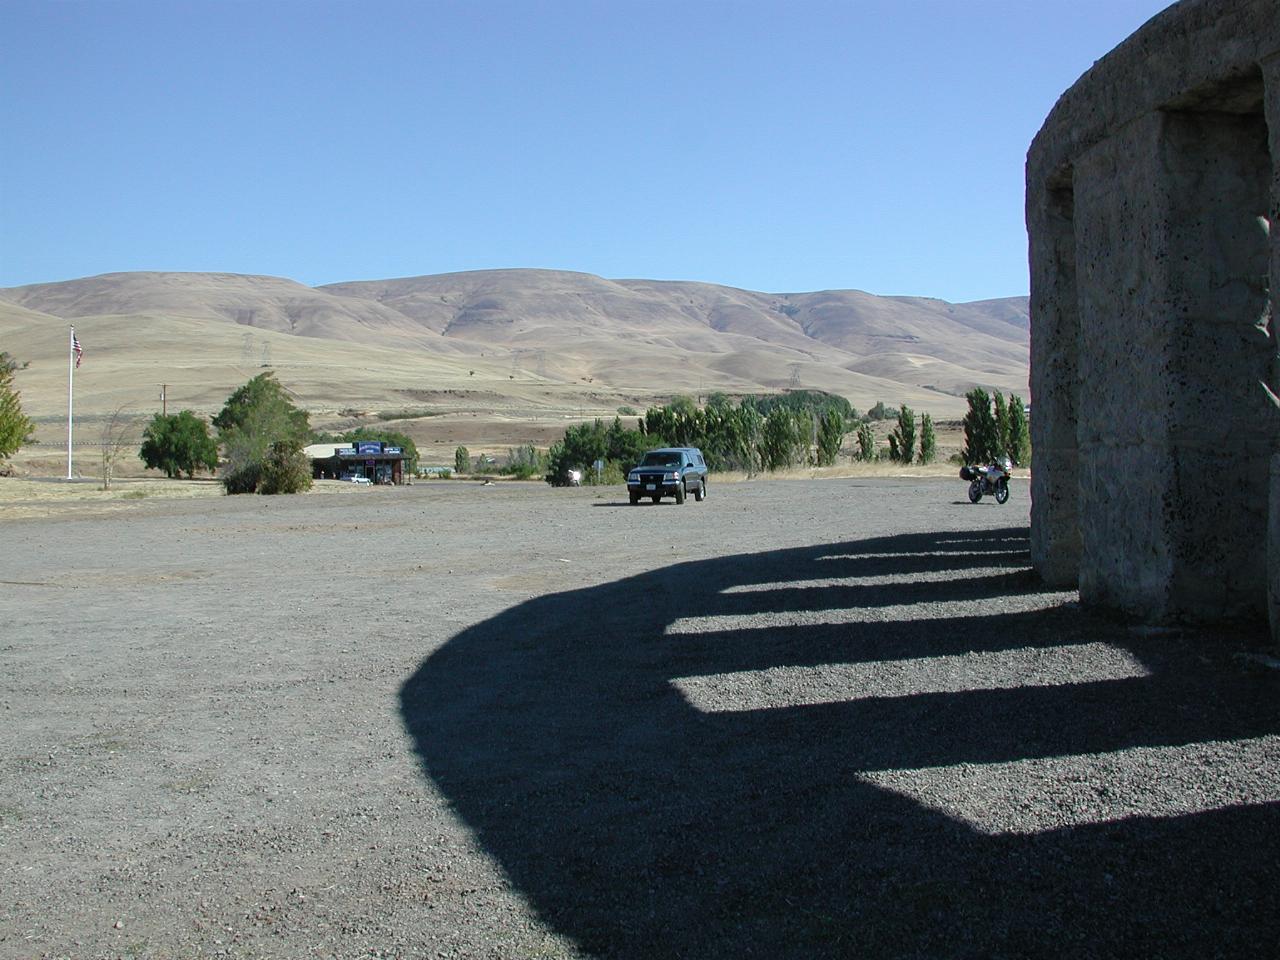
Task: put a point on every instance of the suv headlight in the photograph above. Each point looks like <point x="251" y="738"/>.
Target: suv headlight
<point x="673" y="475"/>
<point x="633" y="477"/>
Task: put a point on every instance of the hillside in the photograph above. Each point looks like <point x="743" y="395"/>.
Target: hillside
<point x="499" y="356"/>
<point x="920" y="342"/>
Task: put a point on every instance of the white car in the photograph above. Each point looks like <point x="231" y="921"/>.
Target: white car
<point x="360" y="480"/>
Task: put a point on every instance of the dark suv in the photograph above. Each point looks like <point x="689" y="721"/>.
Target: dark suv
<point x="669" y="472"/>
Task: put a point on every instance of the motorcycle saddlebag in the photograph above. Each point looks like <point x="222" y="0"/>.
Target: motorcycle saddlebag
<point x="968" y="473"/>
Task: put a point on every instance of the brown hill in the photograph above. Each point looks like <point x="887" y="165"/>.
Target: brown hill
<point x="922" y="343"/>
<point x="517" y="346"/>
<point x="266" y="303"/>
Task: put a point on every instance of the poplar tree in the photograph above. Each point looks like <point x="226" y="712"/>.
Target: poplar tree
<point x="866" y="443"/>
<point x="902" y="441"/>
<point x="1002" y="425"/>
<point x="1019" y="433"/>
<point x="981" y="441"/>
<point x="928" y="440"/>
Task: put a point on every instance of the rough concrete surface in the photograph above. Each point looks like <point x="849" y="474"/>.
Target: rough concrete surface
<point x="799" y="719"/>
<point x="1151" y="192"/>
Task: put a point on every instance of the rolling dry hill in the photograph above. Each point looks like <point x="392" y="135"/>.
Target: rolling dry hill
<point x="520" y="347"/>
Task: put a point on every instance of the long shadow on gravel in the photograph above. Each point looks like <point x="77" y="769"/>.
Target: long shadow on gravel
<point x="642" y="826"/>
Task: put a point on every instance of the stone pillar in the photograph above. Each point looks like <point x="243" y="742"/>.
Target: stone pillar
<point x="1055" y="528"/>
<point x="1271" y="106"/>
<point x="1273" y="553"/>
<point x="1127" y="494"/>
<point x="1223" y="427"/>
<point x="1174" y="432"/>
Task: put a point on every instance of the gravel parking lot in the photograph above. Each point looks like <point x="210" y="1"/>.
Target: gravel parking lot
<point x="800" y="719"/>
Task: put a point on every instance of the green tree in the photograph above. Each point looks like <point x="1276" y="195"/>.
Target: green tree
<point x="866" y="443"/>
<point x="683" y="405"/>
<point x="1002" y="424"/>
<point x="1019" y="432"/>
<point x="881" y="412"/>
<point x="254" y="418"/>
<point x="461" y="460"/>
<point x="261" y="405"/>
<point x="831" y="430"/>
<point x="583" y="445"/>
<point x="928" y="439"/>
<point x="981" y="439"/>
<point x="177" y="444"/>
<point x="622" y="446"/>
<point x="902" y="441"/>
<point x="524" y="463"/>
<point x="16" y="428"/>
<point x="739" y="445"/>
<point x="782" y="444"/>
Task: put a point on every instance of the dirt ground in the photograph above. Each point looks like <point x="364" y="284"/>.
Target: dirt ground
<point x="803" y="718"/>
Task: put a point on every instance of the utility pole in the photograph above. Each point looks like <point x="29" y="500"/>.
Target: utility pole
<point x="164" y="403"/>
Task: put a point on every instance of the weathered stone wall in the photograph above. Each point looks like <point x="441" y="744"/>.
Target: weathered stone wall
<point x="1149" y="194"/>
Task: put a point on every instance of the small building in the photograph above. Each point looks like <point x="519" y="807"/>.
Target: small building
<point x="373" y="460"/>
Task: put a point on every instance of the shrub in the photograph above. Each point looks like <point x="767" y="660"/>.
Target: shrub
<point x="286" y="469"/>
<point x="261" y="430"/>
<point x="416" y="413"/>
<point x="242" y="477"/>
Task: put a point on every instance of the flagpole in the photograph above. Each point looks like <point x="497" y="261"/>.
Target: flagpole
<point x="71" y="377"/>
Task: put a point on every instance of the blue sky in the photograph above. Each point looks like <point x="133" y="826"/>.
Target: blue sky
<point x="777" y="146"/>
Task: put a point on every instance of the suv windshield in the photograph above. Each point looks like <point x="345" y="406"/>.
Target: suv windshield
<point x="661" y="460"/>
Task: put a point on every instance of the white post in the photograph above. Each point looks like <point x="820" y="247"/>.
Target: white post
<point x="71" y="376"/>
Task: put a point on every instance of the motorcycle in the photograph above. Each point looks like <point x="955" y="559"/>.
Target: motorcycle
<point x="992" y="480"/>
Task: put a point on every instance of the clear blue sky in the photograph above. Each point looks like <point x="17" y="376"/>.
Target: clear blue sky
<point x="784" y="146"/>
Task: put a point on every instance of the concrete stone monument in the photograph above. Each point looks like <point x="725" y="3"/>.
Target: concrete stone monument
<point x="1150" y="193"/>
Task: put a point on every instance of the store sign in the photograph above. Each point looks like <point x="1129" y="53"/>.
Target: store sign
<point x="344" y="452"/>
<point x="366" y="447"/>
<point x="392" y="450"/>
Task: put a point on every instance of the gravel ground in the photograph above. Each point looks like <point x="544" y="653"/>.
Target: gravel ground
<point x="800" y="719"/>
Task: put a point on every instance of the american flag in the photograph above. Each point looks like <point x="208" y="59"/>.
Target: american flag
<point x="77" y="349"/>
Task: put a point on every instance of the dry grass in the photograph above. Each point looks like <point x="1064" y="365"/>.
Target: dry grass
<point x="25" y="498"/>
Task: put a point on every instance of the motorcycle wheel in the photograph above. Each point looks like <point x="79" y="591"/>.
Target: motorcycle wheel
<point x="975" y="491"/>
<point x="1002" y="492"/>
